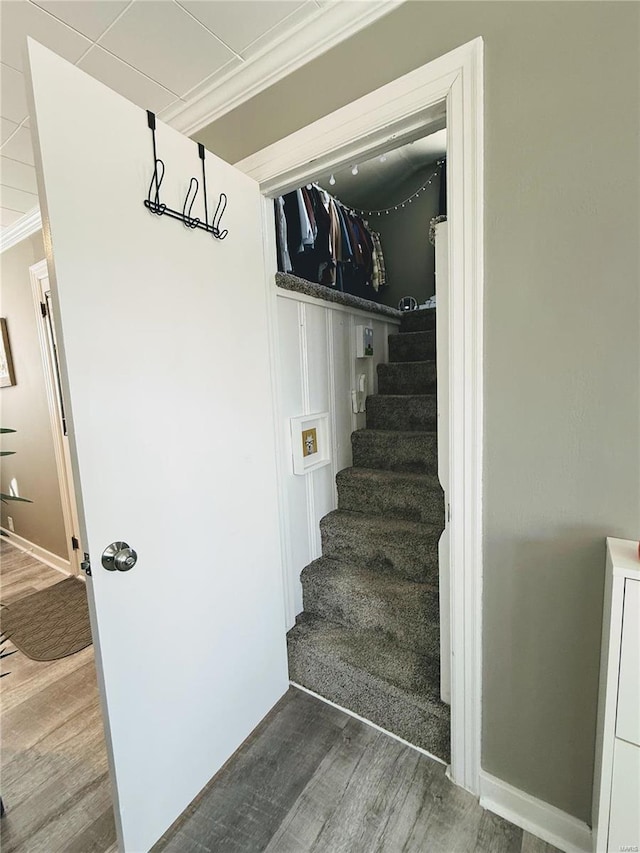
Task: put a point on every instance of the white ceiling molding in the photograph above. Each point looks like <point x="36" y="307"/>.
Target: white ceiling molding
<point x="335" y="23"/>
<point x="20" y="229"/>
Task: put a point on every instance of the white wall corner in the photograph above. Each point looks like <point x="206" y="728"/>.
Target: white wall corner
<point x="535" y="816"/>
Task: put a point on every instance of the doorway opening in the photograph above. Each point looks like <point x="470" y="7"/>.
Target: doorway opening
<point x="49" y="350"/>
<point x="448" y="88"/>
<point x="368" y="624"/>
<point x="54" y="757"/>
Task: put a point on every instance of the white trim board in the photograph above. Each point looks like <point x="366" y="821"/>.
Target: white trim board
<point x="47" y="557"/>
<point x="295" y="295"/>
<point x="535" y="816"/>
<point x="332" y="24"/>
<point x="406" y="108"/>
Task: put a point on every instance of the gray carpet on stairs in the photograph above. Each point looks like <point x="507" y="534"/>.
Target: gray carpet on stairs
<point x="402" y="412"/>
<point x="394" y="494"/>
<point x="368" y="638"/>
<point x="393" y="450"/>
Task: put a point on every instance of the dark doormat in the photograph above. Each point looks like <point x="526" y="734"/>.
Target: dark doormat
<point x="51" y="623"/>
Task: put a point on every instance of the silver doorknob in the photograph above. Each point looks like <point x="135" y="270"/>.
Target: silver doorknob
<point x="119" y="557"/>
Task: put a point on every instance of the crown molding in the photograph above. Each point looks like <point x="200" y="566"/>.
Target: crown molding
<point x="21" y="228"/>
<point x="333" y="24"/>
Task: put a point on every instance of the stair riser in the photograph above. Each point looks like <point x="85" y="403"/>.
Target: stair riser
<point x="375" y="700"/>
<point x="411" y="377"/>
<point x="395" y="451"/>
<point x="413" y="557"/>
<point x="411" y="501"/>
<point x="418" y="321"/>
<point x="417" y="346"/>
<point x="410" y="618"/>
<point x="406" y="413"/>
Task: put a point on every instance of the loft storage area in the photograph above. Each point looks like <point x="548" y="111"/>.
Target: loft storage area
<point x="364" y="229"/>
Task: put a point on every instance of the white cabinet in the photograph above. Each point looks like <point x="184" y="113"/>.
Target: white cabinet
<point x="616" y="791"/>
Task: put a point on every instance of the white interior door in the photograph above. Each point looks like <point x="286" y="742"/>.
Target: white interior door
<point x="163" y="335"/>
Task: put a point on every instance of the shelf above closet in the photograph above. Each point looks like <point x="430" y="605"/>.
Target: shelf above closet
<point x="287" y="281"/>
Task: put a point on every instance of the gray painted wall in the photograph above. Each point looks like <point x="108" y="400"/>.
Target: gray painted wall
<point x="561" y="338"/>
<point x="404" y="233"/>
<point x="25" y="409"/>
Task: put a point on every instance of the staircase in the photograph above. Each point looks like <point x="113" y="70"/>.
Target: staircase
<point x="368" y="638"/>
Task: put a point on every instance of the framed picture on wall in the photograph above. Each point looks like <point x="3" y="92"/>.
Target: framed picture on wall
<point x="310" y="442"/>
<point x="7" y="375"/>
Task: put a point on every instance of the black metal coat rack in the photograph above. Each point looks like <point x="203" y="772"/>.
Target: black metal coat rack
<point x="153" y="203"/>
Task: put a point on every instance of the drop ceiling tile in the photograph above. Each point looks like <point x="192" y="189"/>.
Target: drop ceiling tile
<point x="124" y="79"/>
<point x="239" y="24"/>
<point x="18" y="175"/>
<point x="6" y="128"/>
<point x="8" y="217"/>
<point x="280" y="31"/>
<point x="17" y="199"/>
<point x="89" y="18"/>
<point x="19" y="147"/>
<point x="165" y="43"/>
<point x="13" y="97"/>
<point x="20" y="19"/>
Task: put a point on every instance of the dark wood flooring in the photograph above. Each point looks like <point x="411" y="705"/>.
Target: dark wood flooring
<point x="55" y="783"/>
<point x="310" y="779"/>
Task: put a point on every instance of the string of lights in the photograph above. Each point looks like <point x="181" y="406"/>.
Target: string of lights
<point x="404" y="202"/>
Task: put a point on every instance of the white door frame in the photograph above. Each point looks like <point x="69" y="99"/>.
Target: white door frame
<point x="397" y="112"/>
<point x="38" y="273"/>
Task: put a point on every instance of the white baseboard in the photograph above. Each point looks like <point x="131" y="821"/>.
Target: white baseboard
<point x="535" y="816"/>
<point x="46" y="557"/>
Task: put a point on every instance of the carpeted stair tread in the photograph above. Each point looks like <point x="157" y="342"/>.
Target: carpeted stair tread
<point x="409" y="548"/>
<point x="364" y="671"/>
<point x="407" y="377"/>
<point x="415" y="497"/>
<point x="418" y="321"/>
<point x="393" y="450"/>
<point x="351" y="596"/>
<point x="412" y="346"/>
<point x="402" y="412"/>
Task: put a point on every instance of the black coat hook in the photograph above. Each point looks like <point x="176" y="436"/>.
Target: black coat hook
<point x="153" y="203"/>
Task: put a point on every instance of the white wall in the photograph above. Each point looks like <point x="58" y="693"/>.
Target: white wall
<point x="317" y="372"/>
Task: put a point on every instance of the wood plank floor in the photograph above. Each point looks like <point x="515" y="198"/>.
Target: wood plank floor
<point x="310" y="779"/>
<point x="55" y="784"/>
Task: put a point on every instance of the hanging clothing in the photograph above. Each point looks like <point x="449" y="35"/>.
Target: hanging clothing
<point x="284" y="260"/>
<point x="306" y="231"/>
<point x="327" y="243"/>
<point x="379" y="267"/>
